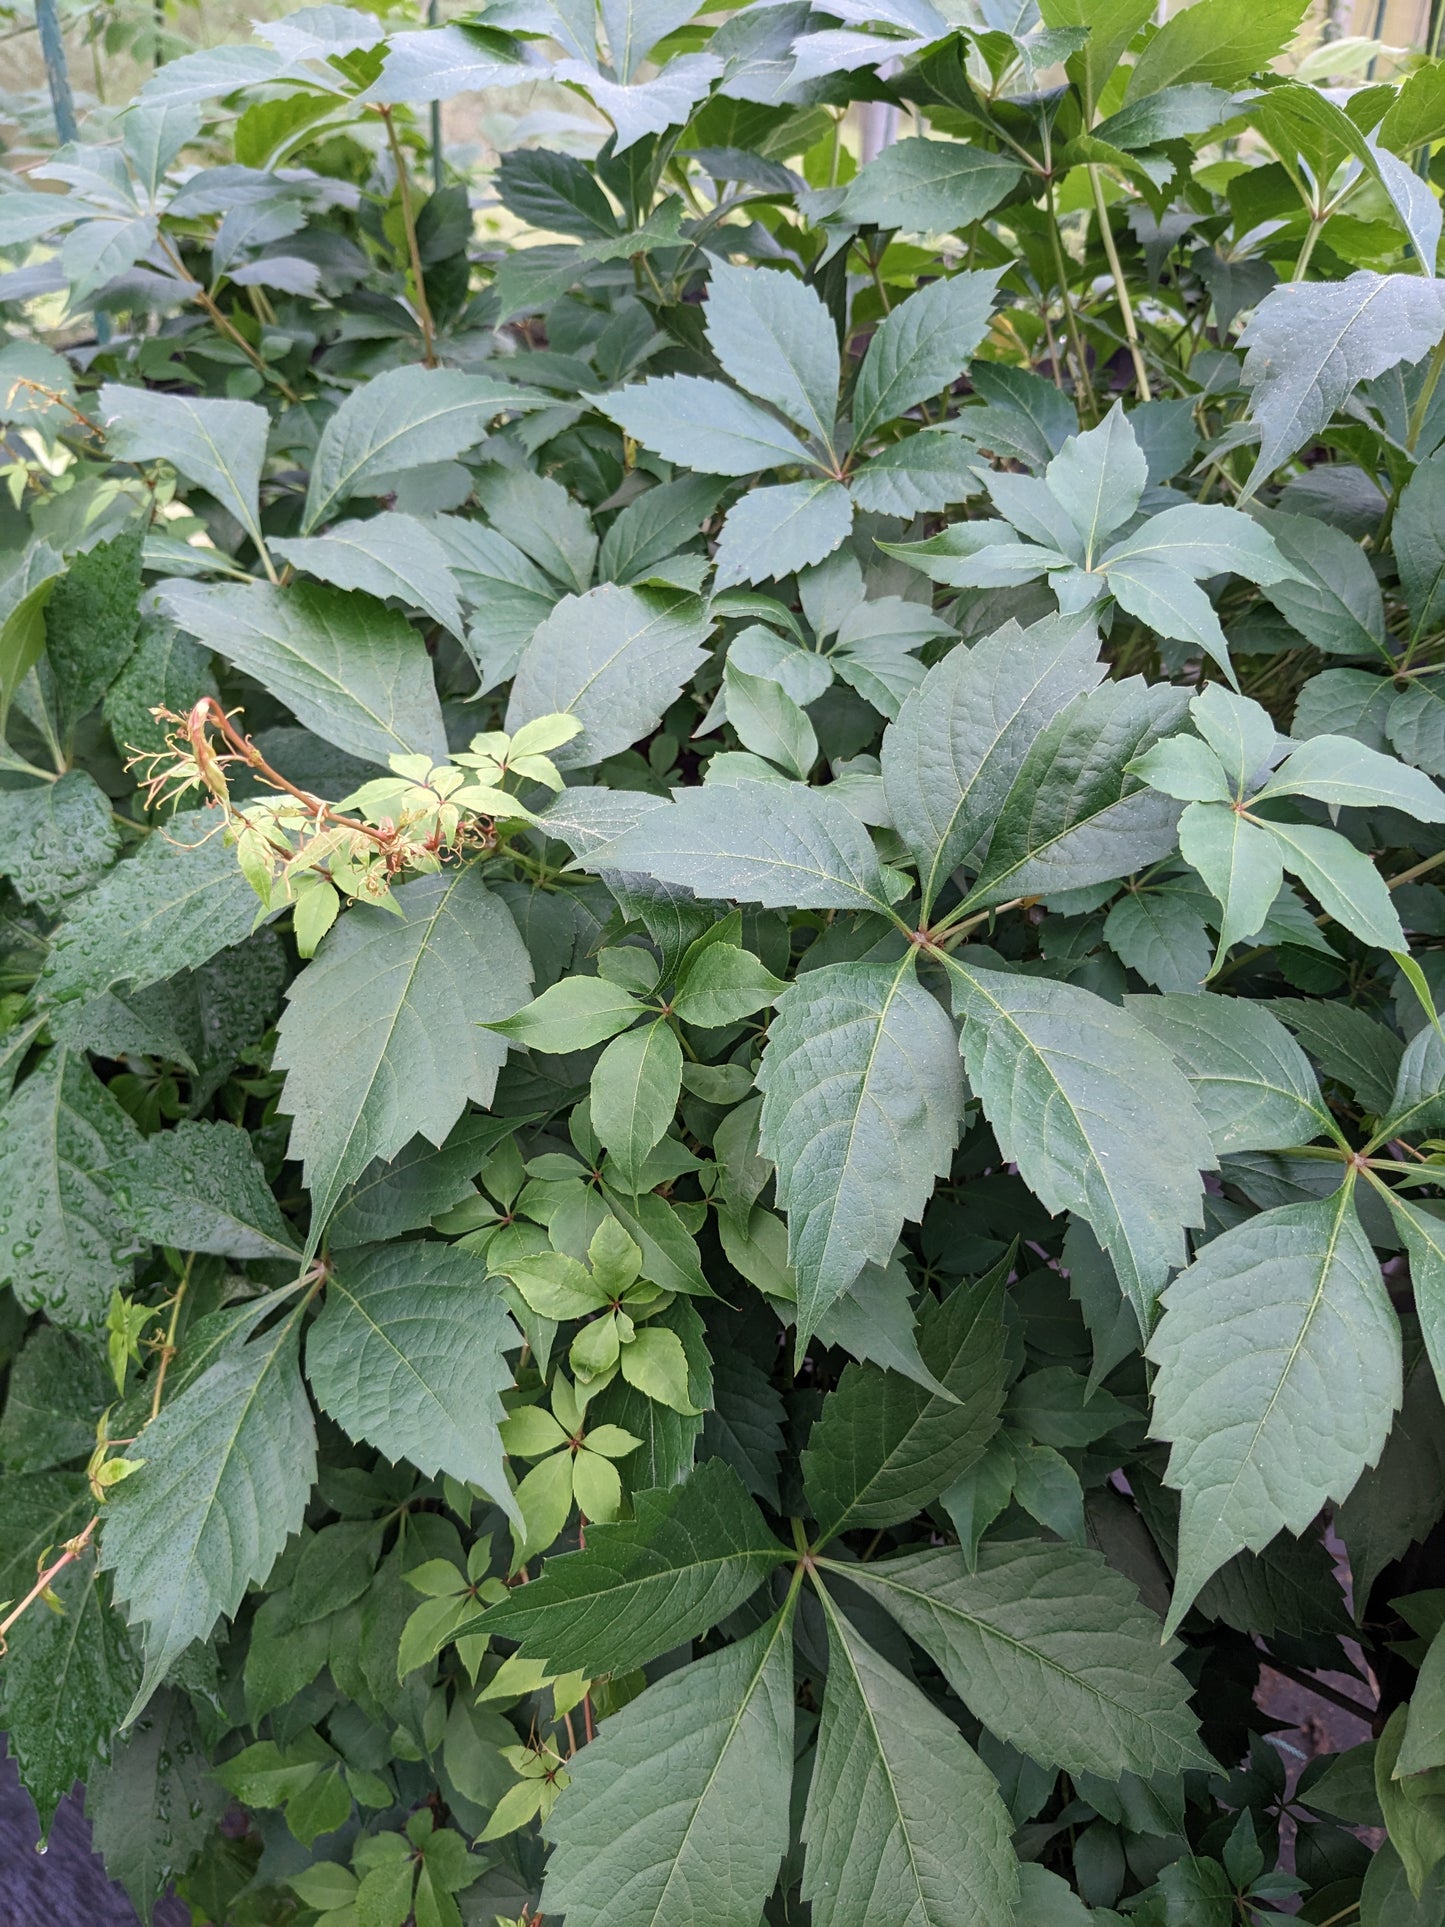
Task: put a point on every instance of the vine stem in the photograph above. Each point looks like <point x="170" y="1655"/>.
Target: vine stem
<point x="1071" y="320"/>
<point x="223" y="321"/>
<point x="408" y="221"/>
<point x="168" y="1350"/>
<point x="1126" y="306"/>
<point x="73" y="1549"/>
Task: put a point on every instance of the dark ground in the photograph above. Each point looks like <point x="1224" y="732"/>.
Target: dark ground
<point x="66" y="1886"/>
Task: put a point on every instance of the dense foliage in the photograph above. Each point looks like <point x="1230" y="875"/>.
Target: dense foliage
<point x="723" y="1112"/>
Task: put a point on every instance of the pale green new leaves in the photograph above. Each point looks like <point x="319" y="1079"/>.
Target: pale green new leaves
<point x="1094" y="1112"/>
<point x="1050" y="1648"/>
<point x="408" y="1355"/>
<point x="679" y="1809"/>
<point x="227" y="1474"/>
<point x="1279" y="1373"/>
<point x="862" y="1102"/>
<point x="904" y="1822"/>
<point x="382" y="1036"/>
<point x="344" y="664"/>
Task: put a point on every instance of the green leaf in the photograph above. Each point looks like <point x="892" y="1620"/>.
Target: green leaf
<point x="860" y="1115"/>
<point x="170" y="907"/>
<point x="1311" y="343"/>
<point x="1218" y="42"/>
<point x="57" y="1391"/>
<point x="383" y="1034"/>
<point x="615" y="659"/>
<point x="1240" y="863"/>
<point x="884" y="1446"/>
<point x="1075" y="813"/>
<point x="1348" y="775"/>
<point x="420" y="1183"/>
<point x="635" y="1087"/>
<point x="218" y="445"/>
<point x="775" y="338"/>
<point x="1415" y="726"/>
<point x="1413" y="1806"/>
<point x="1349" y="1046"/>
<point x="56" y="840"/>
<point x="408" y="1354"/>
<point x="693" y="1553"/>
<point x="389" y="555"/>
<point x="65" y="1245"/>
<point x="1282" y="1327"/>
<point x="1417" y="536"/>
<point x="1160" y="933"/>
<point x="704" y="425"/>
<point x="344" y="664"/>
<point x="1050" y="1648"/>
<point x="1423" y="1235"/>
<point x="1252" y="1082"/>
<point x="776" y="844"/>
<point x="1345" y="882"/>
<point x="918" y="475"/>
<point x="68" y="1680"/>
<point x="404" y="418"/>
<point x="929" y="186"/>
<point x="722" y="983"/>
<point x="1334" y="600"/>
<point x="166" y="670"/>
<point x="154" y="1806"/>
<point x="921" y="348"/>
<point x="774" y="532"/>
<point x="1094" y="1113"/>
<point x="572" y="1015"/>
<point x="679" y="1808"/>
<point x="902" y="1814"/>
<point x="25" y="589"/>
<point x="1421" y="1747"/>
<point x="959" y="741"/>
<point x="1098" y="477"/>
<point x="91" y="622"/>
<point x="541" y="519"/>
<point x="228" y="1471"/>
<point x="200" y="1187"/>
<point x="555" y="192"/>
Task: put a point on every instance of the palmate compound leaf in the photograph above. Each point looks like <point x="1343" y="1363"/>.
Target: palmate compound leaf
<point x="1311" y="343"/>
<point x="408" y="1354"/>
<point x="885" y="1445"/>
<point x="950" y="758"/>
<point x="1050" y="1647"/>
<point x="1279" y="1374"/>
<point x="862" y="1103"/>
<point x="382" y="1035"/>
<point x="614" y="658"/>
<point x="1252" y="1082"/>
<point x="1075" y="814"/>
<point x="200" y="1187"/>
<point x="345" y="665"/>
<point x="400" y="420"/>
<point x="65" y="1245"/>
<point x="904" y="1822"/>
<point x="678" y="1810"/>
<point x="69" y="1677"/>
<point x="1095" y="1113"/>
<point x="780" y="845"/>
<point x="228" y="1471"/>
<point x="170" y="907"/>
<point x="691" y="1555"/>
